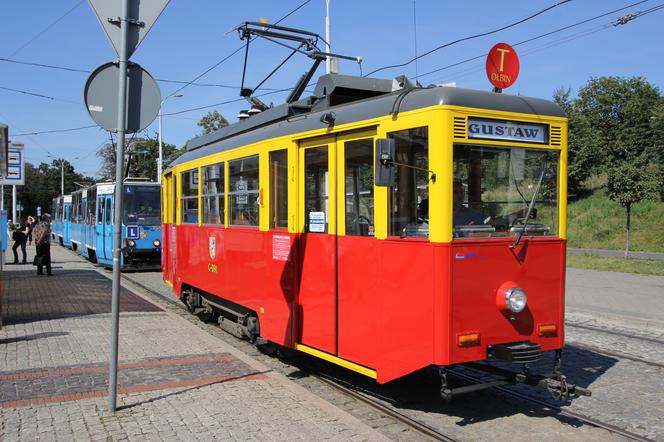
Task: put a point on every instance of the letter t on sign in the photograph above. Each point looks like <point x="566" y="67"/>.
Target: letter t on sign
<point x="502" y="57"/>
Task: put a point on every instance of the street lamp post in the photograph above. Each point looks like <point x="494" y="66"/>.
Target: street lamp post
<point x="160" y="161"/>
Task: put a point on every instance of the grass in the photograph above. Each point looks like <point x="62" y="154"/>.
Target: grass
<point x="594" y="221"/>
<point x="640" y="266"/>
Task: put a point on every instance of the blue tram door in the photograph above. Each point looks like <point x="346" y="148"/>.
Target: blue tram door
<point x="107" y="227"/>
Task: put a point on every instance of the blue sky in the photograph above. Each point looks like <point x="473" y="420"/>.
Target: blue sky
<point x="191" y="36"/>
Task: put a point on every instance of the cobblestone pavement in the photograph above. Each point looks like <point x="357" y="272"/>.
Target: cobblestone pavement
<point x="176" y="381"/>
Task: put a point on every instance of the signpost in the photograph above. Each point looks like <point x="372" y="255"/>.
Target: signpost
<point x="125" y="23"/>
<point x="502" y="66"/>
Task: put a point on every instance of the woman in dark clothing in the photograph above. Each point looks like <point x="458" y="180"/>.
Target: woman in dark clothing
<point x="31" y="225"/>
<point x="20" y="237"/>
<point x="42" y="236"/>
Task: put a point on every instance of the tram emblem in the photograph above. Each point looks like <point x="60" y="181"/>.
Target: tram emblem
<point x="213" y="247"/>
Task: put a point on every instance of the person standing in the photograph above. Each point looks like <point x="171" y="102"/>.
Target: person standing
<point x="20" y="236"/>
<point x="31" y="225"/>
<point x="42" y="237"/>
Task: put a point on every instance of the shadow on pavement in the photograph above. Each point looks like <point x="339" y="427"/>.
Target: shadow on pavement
<point x="32" y="337"/>
<point x="28" y="297"/>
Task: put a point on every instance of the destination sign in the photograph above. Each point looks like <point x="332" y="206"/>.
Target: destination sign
<point x="480" y="128"/>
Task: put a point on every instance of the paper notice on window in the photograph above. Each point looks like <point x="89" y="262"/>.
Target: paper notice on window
<point x="281" y="245"/>
<point x="317" y="222"/>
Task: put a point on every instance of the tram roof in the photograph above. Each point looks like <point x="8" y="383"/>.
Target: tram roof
<point x="361" y="98"/>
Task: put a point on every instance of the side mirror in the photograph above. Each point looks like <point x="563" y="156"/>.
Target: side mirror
<point x="385" y="153"/>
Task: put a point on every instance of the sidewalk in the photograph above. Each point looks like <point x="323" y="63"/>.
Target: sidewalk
<point x="176" y="382"/>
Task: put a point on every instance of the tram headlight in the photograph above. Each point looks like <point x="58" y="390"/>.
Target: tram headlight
<point x="516" y="299"/>
<point x="131" y="242"/>
<point x="156" y="243"/>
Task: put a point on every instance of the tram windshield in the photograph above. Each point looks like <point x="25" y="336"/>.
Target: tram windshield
<point x="493" y="188"/>
<point x="141" y="205"/>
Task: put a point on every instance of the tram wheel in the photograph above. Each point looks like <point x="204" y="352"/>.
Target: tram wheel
<point x="207" y="314"/>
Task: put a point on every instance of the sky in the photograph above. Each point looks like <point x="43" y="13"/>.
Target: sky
<point x="191" y="36"/>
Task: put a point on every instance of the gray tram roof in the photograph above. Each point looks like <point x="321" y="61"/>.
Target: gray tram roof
<point x="361" y="98"/>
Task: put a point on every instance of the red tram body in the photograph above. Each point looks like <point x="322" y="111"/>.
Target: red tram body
<point x="381" y="279"/>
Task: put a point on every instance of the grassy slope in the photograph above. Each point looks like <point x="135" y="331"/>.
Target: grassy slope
<point x="641" y="266"/>
<point x="595" y="221"/>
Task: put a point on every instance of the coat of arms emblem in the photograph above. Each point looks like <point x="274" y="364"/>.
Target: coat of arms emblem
<point x="213" y="247"/>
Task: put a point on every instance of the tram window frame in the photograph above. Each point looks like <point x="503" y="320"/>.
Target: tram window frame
<point x="90" y="211"/>
<point x="109" y="211"/>
<point x="362" y="152"/>
<point x="100" y="211"/>
<point x="278" y="174"/>
<point x="234" y="180"/>
<point x="208" y="196"/>
<point x="408" y="216"/>
<point x="189" y="196"/>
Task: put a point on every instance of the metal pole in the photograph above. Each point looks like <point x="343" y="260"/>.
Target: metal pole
<point x="118" y="209"/>
<point x="14" y="204"/>
<point x="62" y="176"/>
<point x="161" y="152"/>
<point x="327" y="36"/>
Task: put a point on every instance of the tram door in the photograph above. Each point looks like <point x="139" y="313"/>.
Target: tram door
<point x="336" y="298"/>
<point x="317" y="244"/>
<point x="168" y="231"/>
<point x="107" y="226"/>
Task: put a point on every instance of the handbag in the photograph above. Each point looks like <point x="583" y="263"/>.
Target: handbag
<point x="38" y="261"/>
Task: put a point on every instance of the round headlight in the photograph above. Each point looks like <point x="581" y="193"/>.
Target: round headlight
<point x="131" y="243"/>
<point x="156" y="243"/>
<point x="516" y="299"/>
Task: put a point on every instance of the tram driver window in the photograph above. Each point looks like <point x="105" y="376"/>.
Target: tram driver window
<point x="190" y="197"/>
<point x="243" y="191"/>
<point x="408" y="209"/>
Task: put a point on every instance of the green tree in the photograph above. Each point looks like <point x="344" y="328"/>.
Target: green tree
<point x="584" y="154"/>
<point x="616" y="120"/>
<point x="212" y="121"/>
<point x="142" y="153"/>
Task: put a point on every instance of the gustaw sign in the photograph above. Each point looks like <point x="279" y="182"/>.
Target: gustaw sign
<point x="507" y="130"/>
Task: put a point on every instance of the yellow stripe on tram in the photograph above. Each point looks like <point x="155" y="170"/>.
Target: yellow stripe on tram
<point x="338" y="361"/>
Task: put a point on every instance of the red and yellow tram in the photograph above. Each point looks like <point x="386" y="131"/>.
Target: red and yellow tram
<point x="378" y="225"/>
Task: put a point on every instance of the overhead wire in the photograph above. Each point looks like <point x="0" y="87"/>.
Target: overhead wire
<point x="220" y="62"/>
<point x="560" y="41"/>
<point x="546" y="34"/>
<point x="470" y="37"/>
<point x="42" y="32"/>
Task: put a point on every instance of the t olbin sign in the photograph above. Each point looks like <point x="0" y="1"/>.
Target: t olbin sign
<point x="502" y="65"/>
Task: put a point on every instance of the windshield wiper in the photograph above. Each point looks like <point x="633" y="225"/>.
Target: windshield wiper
<point x="517" y="240"/>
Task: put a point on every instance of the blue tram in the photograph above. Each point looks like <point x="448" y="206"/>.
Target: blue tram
<point x="61" y="218"/>
<point x="92" y="224"/>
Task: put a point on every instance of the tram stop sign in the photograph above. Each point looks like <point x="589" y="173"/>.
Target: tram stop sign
<point x="101" y="97"/>
<point x="502" y="65"/>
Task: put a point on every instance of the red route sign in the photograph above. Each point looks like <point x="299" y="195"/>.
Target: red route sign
<point x="502" y="65"/>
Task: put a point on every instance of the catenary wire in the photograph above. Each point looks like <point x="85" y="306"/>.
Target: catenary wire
<point x="40" y="33"/>
<point x="546" y="34"/>
<point x="550" y="44"/>
<point x="217" y="64"/>
<point x="470" y="37"/>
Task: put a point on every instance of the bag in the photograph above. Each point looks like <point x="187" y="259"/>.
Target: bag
<point x="38" y="261"/>
<point x="16" y="235"/>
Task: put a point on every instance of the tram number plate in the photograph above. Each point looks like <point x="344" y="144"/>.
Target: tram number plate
<point x="317" y="222"/>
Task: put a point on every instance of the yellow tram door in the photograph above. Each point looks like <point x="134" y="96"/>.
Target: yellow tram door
<point x="317" y="244"/>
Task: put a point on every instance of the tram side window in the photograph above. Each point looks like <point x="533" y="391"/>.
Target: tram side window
<point x="279" y="189"/>
<point x="408" y="209"/>
<point x="100" y="211"/>
<point x="90" y="212"/>
<point x="243" y="191"/>
<point x="213" y="194"/>
<point x="190" y="196"/>
<point x="316" y="179"/>
<point x="109" y="220"/>
<point x="359" y="188"/>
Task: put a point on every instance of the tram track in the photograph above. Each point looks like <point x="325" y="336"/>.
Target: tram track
<point x="570" y="414"/>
